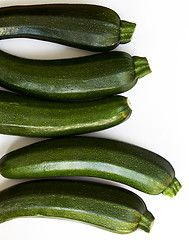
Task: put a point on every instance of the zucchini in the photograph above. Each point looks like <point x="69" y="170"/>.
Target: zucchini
<point x="88" y="77"/>
<point x="105" y="206"/>
<point x="93" y="157"/>
<point x="26" y="116"/>
<point x="85" y="26"/>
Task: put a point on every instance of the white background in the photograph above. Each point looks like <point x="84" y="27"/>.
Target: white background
<point x="159" y="120"/>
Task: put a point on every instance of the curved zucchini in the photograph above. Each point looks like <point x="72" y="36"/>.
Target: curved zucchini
<point x="78" y="78"/>
<point x="105" y="206"/>
<point x="85" y="26"/>
<point x="93" y="157"/>
<point x="25" y="116"/>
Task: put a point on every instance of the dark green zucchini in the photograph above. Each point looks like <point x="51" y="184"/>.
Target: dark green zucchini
<point x="105" y="206"/>
<point x="25" y="116"/>
<point x="85" y="26"/>
<point x="93" y="157"/>
<point x="78" y="78"/>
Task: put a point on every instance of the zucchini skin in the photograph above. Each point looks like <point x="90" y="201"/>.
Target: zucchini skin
<point x="88" y="77"/>
<point x="85" y="26"/>
<point x="26" y="116"/>
<point x="92" y="157"/>
<point x="105" y="206"/>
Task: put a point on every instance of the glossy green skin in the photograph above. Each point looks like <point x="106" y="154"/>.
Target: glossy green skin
<point x="83" y="26"/>
<point x="91" y="157"/>
<point x="78" y="78"/>
<point x="105" y="206"/>
<point x="25" y="116"/>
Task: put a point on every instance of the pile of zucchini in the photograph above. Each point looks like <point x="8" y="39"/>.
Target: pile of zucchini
<point x="62" y="98"/>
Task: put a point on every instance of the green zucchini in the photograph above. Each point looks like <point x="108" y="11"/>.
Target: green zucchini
<point x="88" y="77"/>
<point x="26" y="116"/>
<point x="104" y="206"/>
<point x="84" y="26"/>
<point x="93" y="157"/>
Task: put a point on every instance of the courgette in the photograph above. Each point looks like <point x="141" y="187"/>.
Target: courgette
<point x="85" y="26"/>
<point x="27" y="116"/>
<point x="105" y="206"/>
<point x="88" y="77"/>
<point x="93" y="157"/>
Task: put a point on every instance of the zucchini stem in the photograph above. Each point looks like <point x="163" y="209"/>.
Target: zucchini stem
<point x="142" y="67"/>
<point x="146" y="222"/>
<point x="173" y="188"/>
<point x="126" y="31"/>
